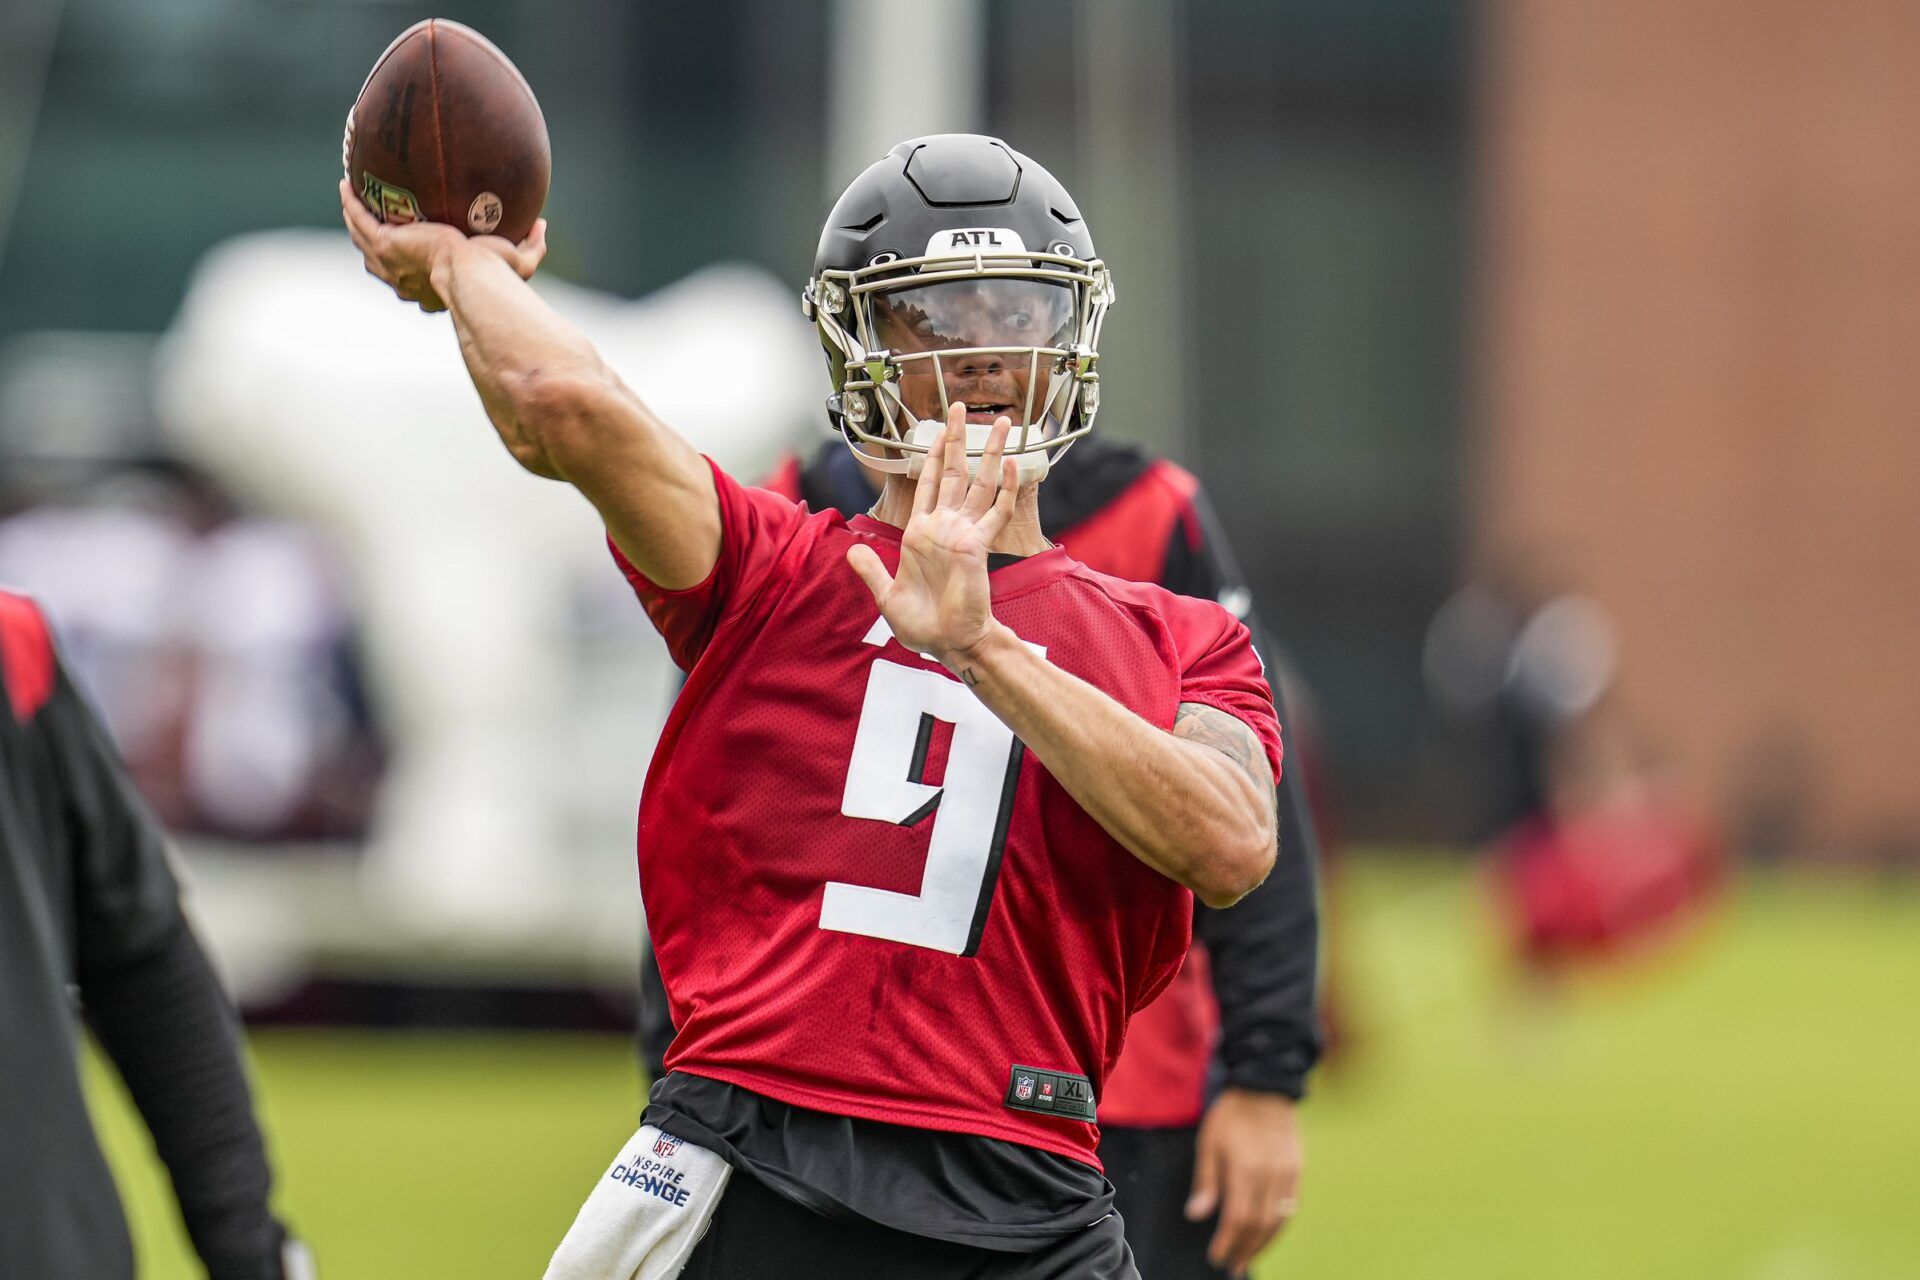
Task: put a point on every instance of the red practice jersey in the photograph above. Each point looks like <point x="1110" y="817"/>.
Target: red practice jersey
<point x="865" y="896"/>
<point x="1160" y="1078"/>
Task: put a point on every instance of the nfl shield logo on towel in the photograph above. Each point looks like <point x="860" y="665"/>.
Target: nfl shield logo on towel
<point x="1023" y="1088"/>
<point x="665" y="1145"/>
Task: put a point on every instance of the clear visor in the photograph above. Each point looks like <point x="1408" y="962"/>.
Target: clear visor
<point x="985" y="312"/>
<point x="990" y="342"/>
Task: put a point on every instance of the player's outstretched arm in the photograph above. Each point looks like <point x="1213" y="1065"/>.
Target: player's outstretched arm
<point x="560" y="411"/>
<point x="1195" y="803"/>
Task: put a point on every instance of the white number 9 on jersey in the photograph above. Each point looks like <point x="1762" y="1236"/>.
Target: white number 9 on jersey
<point x="971" y="809"/>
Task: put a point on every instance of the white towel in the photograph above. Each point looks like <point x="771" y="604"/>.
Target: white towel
<point x="646" y="1215"/>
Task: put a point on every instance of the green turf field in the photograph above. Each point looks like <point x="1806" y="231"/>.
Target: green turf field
<point x="1748" y="1107"/>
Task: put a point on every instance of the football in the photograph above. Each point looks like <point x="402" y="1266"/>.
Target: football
<point x="446" y="129"/>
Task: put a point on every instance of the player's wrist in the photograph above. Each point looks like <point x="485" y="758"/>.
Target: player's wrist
<point x="975" y="663"/>
<point x="441" y="263"/>
<point x="450" y="254"/>
<point x="1278" y="1099"/>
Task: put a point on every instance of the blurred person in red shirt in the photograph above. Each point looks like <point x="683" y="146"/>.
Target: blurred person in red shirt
<point x="1593" y="858"/>
<point x="1613" y="865"/>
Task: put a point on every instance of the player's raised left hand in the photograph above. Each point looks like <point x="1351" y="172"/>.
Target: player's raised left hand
<point x="403" y="255"/>
<point x="937" y="601"/>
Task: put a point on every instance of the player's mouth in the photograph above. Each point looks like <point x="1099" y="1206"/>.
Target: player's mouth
<point x="987" y="411"/>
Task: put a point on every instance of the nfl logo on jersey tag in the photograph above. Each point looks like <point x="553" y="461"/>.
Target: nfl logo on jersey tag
<point x="665" y="1145"/>
<point x="1049" y="1093"/>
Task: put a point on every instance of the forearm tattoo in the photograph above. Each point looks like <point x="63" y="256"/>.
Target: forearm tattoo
<point x="1212" y="727"/>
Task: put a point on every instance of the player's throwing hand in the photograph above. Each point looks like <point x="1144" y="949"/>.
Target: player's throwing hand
<point x="404" y="254"/>
<point x="938" y="602"/>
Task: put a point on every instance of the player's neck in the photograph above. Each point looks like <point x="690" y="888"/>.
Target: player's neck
<point x="1021" y="537"/>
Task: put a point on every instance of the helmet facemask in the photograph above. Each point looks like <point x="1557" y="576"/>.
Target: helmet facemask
<point x="1012" y="336"/>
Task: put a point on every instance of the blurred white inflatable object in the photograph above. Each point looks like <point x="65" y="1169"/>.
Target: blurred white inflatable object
<point x="309" y="390"/>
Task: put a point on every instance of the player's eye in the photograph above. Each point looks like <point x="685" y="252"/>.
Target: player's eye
<point x="1020" y="321"/>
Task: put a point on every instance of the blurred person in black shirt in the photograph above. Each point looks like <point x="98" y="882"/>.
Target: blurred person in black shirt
<point x="90" y="920"/>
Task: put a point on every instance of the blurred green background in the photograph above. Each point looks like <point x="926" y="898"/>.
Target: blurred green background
<point x="1424" y="291"/>
<point x="1741" y="1109"/>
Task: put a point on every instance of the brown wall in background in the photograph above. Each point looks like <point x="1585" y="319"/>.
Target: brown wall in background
<point x="1699" y="375"/>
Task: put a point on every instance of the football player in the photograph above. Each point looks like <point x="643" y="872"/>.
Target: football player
<point x="1203" y="1182"/>
<point x="90" y="921"/>
<point x="927" y="822"/>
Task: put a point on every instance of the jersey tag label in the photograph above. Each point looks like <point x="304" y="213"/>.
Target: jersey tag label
<point x="1051" y="1093"/>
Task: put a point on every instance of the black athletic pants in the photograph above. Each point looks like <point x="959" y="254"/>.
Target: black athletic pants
<point x="1152" y="1175"/>
<point x="758" y="1235"/>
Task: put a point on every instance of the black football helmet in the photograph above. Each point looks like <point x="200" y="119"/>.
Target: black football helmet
<point x="958" y="269"/>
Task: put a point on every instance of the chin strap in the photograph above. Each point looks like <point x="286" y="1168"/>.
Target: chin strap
<point x="1032" y="466"/>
